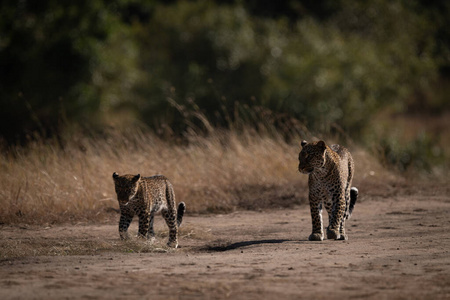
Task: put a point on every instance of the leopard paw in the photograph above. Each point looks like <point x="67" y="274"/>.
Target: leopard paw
<point x="172" y="244"/>
<point x="343" y="237"/>
<point x="333" y="234"/>
<point x="316" y="237"/>
<point x="141" y="236"/>
<point x="124" y="236"/>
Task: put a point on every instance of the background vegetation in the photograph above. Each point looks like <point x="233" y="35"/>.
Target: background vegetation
<point x="86" y="86"/>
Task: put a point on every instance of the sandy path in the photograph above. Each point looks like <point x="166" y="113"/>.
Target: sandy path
<point x="398" y="248"/>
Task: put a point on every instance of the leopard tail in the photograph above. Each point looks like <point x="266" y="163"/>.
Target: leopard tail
<point x="170" y="195"/>
<point x="180" y="213"/>
<point x="353" y="196"/>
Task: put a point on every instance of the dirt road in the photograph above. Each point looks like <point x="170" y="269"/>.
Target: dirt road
<point x="398" y="248"/>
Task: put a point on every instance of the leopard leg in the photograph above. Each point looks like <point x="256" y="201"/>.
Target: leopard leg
<point x="346" y="213"/>
<point x="337" y="214"/>
<point x="170" y="216"/>
<point x="315" y="204"/>
<point x="151" y="232"/>
<point x="329" y="208"/>
<point x="124" y="223"/>
<point x="342" y="234"/>
<point x="144" y="222"/>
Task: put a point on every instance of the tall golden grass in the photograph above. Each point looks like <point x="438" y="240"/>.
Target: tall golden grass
<point x="46" y="183"/>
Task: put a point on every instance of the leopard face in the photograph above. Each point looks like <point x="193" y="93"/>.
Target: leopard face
<point x="311" y="157"/>
<point x="126" y="187"/>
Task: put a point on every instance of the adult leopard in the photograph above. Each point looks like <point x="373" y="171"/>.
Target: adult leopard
<point x="145" y="196"/>
<point x="330" y="172"/>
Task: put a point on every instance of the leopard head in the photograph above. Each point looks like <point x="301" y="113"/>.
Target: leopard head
<point x="126" y="186"/>
<point x="311" y="157"/>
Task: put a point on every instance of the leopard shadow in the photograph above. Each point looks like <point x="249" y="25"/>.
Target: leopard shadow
<point x="221" y="247"/>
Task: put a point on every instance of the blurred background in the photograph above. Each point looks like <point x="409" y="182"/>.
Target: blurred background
<point x="377" y="71"/>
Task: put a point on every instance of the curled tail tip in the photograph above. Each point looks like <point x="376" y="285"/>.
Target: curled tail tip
<point x="353" y="196"/>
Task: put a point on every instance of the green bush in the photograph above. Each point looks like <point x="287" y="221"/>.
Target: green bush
<point x="422" y="153"/>
<point x="341" y="71"/>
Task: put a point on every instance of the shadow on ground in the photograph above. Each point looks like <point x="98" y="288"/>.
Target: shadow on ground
<point x="220" y="246"/>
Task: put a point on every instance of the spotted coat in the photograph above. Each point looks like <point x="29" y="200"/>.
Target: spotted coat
<point x="145" y="196"/>
<point x="330" y="172"/>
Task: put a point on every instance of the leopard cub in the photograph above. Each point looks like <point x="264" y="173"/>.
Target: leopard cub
<point x="145" y="196"/>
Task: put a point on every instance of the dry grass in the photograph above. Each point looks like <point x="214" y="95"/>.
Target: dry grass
<point x="62" y="246"/>
<point x="44" y="183"/>
<point x="66" y="239"/>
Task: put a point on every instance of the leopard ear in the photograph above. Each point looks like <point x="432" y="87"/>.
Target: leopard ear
<point x="115" y="175"/>
<point x="137" y="177"/>
<point x="322" y="145"/>
<point x="303" y="143"/>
